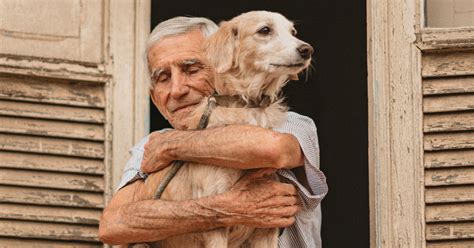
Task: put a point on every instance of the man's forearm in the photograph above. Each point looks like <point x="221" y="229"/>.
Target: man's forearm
<point x="255" y="200"/>
<point x="236" y="146"/>
<point x="152" y="220"/>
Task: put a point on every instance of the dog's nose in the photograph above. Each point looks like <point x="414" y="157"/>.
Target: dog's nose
<point x="305" y="51"/>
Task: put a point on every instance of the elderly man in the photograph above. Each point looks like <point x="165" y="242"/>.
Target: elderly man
<point x="180" y="80"/>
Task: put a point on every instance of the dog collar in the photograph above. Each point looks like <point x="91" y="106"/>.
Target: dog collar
<point x="227" y="101"/>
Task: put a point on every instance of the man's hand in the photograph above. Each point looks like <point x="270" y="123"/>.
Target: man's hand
<point x="258" y="200"/>
<point x="158" y="152"/>
<point x="255" y="200"/>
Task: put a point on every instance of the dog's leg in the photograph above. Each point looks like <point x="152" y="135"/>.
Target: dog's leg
<point x="263" y="238"/>
<point x="217" y="238"/>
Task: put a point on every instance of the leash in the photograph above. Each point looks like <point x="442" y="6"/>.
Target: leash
<point x="264" y="101"/>
<point x="203" y="122"/>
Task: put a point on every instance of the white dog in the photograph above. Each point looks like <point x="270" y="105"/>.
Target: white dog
<point x="253" y="55"/>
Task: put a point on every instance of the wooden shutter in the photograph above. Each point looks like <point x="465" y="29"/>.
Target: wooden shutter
<point x="448" y="110"/>
<point x="72" y="102"/>
<point x="51" y="159"/>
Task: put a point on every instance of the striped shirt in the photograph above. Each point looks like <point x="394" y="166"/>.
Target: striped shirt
<point x="306" y="231"/>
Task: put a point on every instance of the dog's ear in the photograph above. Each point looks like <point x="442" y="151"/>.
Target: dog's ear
<point x="221" y="46"/>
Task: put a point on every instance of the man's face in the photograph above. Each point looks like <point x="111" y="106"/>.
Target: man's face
<point x="180" y="75"/>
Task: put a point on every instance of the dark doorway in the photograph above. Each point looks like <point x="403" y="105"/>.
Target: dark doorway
<point x="334" y="96"/>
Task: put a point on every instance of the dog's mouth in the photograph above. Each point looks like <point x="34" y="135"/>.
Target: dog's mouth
<point x="288" y="65"/>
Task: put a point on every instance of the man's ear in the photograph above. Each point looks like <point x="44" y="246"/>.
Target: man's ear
<point x="220" y="47"/>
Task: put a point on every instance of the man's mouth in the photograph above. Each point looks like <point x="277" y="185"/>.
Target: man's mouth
<point x="184" y="106"/>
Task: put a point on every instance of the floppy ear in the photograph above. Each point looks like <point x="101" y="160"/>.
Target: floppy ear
<point x="220" y="47"/>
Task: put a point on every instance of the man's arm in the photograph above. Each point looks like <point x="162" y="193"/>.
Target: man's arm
<point x="256" y="200"/>
<point x="234" y="146"/>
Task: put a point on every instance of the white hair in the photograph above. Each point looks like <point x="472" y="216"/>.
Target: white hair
<point x="176" y="26"/>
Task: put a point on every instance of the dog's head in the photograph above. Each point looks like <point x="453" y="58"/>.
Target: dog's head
<point x="258" y="42"/>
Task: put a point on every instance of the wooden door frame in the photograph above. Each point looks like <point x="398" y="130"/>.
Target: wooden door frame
<point x="396" y="184"/>
<point x="129" y="23"/>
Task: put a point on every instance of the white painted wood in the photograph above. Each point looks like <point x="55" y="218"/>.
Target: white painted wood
<point x="395" y="125"/>
<point x="56" y="29"/>
<point x="67" y="147"/>
<point x="449" y="194"/>
<point x="450" y="176"/>
<point x="448" y="85"/>
<point x="461" y="121"/>
<point x="52" y="112"/>
<point x="20" y="160"/>
<point x="27" y="229"/>
<point x="52" y="91"/>
<point x="446" y="38"/>
<point x="454" y="158"/>
<point x="129" y="94"/>
<point x="456" y="63"/>
<point x="52" y="180"/>
<point x="49" y="214"/>
<point x="84" y="60"/>
<point x="450" y="231"/>
<point x="64" y="198"/>
<point x="450" y="212"/>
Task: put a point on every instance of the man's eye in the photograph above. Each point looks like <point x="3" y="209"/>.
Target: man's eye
<point x="193" y="69"/>
<point x="162" y="78"/>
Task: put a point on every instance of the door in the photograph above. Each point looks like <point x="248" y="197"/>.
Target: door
<point x="334" y="96"/>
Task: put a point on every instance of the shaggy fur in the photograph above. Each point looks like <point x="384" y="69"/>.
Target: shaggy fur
<point x="250" y="63"/>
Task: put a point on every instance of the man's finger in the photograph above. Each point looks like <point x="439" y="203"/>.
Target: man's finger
<point x="287" y="189"/>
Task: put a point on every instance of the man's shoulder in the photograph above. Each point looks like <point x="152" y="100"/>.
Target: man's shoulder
<point x="295" y="117"/>
<point x="296" y="121"/>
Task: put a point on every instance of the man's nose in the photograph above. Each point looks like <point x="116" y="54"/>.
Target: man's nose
<point x="179" y="86"/>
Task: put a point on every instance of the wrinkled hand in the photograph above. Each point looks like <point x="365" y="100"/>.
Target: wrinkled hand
<point x="158" y="152"/>
<point x="258" y="200"/>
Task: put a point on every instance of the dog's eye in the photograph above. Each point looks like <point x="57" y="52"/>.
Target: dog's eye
<point x="264" y="31"/>
<point x="293" y="32"/>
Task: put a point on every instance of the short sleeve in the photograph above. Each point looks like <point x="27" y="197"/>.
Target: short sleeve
<point x="132" y="171"/>
<point x="304" y="129"/>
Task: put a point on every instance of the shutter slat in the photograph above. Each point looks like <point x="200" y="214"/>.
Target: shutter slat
<point x="52" y="180"/>
<point x="52" y="91"/>
<point x="51" y="128"/>
<point x="450" y="212"/>
<point x="445" y="141"/>
<point x="450" y="231"/>
<point x="58" y="146"/>
<point x="451" y="85"/>
<point x="448" y="122"/>
<point x="54" y="112"/>
<point x="451" y="244"/>
<point x="447" y="64"/>
<point x="21" y="160"/>
<point x="449" y="103"/>
<point x="49" y="214"/>
<point x="449" y="194"/>
<point x="26" y="229"/>
<point x="442" y="159"/>
<point x="444" y="177"/>
<point x="11" y="194"/>
<point x="38" y="243"/>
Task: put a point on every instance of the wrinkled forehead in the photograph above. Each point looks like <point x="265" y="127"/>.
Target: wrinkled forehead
<point x="255" y="20"/>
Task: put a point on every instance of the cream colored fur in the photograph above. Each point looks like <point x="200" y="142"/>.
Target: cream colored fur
<point x="243" y="60"/>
